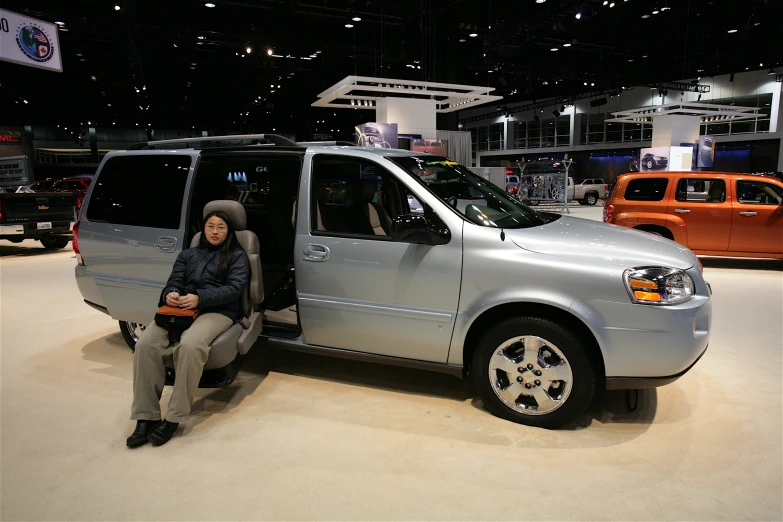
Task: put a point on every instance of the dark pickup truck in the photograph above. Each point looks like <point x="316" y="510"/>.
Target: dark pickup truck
<point x="45" y="217"/>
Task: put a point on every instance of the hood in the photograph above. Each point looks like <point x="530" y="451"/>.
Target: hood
<point x="596" y="241"/>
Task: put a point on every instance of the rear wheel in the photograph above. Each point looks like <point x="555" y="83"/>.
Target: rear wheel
<point x="131" y="333"/>
<point x="54" y="242"/>
<point x="532" y="371"/>
<point x="591" y="199"/>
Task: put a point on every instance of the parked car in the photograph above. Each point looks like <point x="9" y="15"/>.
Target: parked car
<point x="76" y="186"/>
<point x="653" y="162"/>
<point x="712" y="213"/>
<point x="589" y="191"/>
<point x="44" y="217"/>
<point x="538" y="309"/>
<point x="43" y="185"/>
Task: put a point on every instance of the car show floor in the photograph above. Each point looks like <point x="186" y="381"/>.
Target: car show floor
<point x="300" y="437"/>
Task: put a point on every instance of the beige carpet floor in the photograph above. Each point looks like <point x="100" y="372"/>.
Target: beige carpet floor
<point x="302" y="437"/>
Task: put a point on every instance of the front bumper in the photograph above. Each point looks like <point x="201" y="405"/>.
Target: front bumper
<point x="648" y="344"/>
<point x="638" y="383"/>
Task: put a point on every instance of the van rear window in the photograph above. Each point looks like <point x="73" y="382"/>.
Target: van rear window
<point x="141" y="191"/>
<point x="646" y="189"/>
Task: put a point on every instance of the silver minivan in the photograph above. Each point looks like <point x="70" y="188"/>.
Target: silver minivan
<point x="539" y="310"/>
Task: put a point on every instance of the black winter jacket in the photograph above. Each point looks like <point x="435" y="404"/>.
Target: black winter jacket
<point x="214" y="296"/>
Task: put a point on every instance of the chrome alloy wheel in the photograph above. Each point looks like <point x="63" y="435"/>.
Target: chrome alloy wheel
<point x="530" y="375"/>
<point x="135" y="330"/>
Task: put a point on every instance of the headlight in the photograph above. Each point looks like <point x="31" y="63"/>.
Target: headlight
<point x="658" y="286"/>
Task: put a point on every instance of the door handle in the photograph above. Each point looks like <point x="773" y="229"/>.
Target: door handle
<point x="682" y="211"/>
<point x="315" y="253"/>
<point x="166" y="244"/>
<point x="748" y="213"/>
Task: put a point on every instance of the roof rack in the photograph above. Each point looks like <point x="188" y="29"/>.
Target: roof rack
<point x="327" y="143"/>
<point x="252" y="139"/>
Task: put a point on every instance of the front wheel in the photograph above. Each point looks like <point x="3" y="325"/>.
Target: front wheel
<point x="533" y="371"/>
<point x="131" y="333"/>
<point x="54" y="242"/>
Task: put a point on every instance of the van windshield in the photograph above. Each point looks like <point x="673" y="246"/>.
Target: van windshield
<point x="475" y="198"/>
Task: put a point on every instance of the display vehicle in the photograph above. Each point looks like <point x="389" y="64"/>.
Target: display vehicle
<point x="539" y="310"/>
<point x="712" y="213"/>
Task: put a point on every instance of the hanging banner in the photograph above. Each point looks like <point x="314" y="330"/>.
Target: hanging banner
<point x="28" y="41"/>
<point x="706" y="152"/>
<point x="377" y="135"/>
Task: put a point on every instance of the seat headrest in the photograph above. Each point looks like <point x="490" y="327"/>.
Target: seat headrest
<point x="234" y="209"/>
<point x="367" y="188"/>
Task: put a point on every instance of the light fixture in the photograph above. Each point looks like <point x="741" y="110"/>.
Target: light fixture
<point x="655" y="11"/>
<point x="545" y="83"/>
<point x="645" y="16"/>
<point x="175" y="45"/>
<point x="462" y="40"/>
<point x="630" y="60"/>
<point x="540" y="1"/>
<point x="611" y="4"/>
<point x="356" y="19"/>
<point x="606" y="2"/>
<point x="209" y="4"/>
<point x="60" y="23"/>
<point x="473" y="35"/>
<point x="578" y="16"/>
<point x="349" y="26"/>
<point x="761" y="65"/>
<point x="117" y="7"/>
<point x="585" y="83"/>
<point x="553" y="49"/>
<point x="202" y="37"/>
<point x="566" y="45"/>
<point x="93" y="78"/>
<point x="249" y="50"/>
<point x="592" y="84"/>
<point x="731" y="31"/>
<point x="662" y="8"/>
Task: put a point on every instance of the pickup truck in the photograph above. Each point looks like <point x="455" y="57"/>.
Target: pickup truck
<point x="45" y="217"/>
<point x="589" y="191"/>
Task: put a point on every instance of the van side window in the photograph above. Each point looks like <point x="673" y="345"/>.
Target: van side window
<point x="646" y="189"/>
<point x="140" y="191"/>
<point x="357" y="198"/>
<point x="701" y="190"/>
<point x="759" y="193"/>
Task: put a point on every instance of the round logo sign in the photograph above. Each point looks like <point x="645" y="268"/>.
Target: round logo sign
<point x="34" y="42"/>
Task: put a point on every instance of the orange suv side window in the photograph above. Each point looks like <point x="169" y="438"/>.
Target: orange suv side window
<point x="759" y="193"/>
<point x="701" y="190"/>
<point x="646" y="189"/>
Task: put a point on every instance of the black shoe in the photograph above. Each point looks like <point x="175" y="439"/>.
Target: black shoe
<point x="140" y="434"/>
<point x="162" y="433"/>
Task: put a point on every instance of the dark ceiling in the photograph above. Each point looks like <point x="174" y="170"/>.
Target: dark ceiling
<point x="186" y="58"/>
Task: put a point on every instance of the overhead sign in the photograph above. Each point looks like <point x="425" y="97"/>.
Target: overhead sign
<point x="28" y="41"/>
<point x="10" y="137"/>
<point x="13" y="171"/>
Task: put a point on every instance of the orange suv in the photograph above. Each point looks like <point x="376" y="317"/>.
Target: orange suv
<point x="712" y="213"/>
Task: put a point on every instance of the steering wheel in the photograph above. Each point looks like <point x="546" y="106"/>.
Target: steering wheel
<point x="452" y="201"/>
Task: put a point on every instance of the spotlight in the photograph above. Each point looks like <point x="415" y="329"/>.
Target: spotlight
<point x="349" y="26"/>
<point x="611" y="4"/>
<point x="732" y="31"/>
<point x="269" y="52"/>
<point x="209" y="4"/>
<point x="655" y="11"/>
<point x="553" y="49"/>
<point x="566" y="45"/>
<point x="117" y="7"/>
<point x="540" y="1"/>
<point x="578" y="16"/>
<point x="473" y="35"/>
<point x="249" y="50"/>
<point x="60" y="23"/>
<point x="356" y="19"/>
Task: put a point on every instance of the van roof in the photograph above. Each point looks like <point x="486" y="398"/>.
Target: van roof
<point x="696" y="174"/>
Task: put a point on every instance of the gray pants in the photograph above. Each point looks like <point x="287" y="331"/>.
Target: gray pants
<point x="190" y="355"/>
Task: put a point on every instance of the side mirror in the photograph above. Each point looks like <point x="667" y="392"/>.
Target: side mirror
<point x="415" y="228"/>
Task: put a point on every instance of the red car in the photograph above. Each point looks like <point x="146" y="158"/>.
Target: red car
<point x="77" y="186"/>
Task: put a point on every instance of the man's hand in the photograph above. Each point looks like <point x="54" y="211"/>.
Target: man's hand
<point x="172" y="299"/>
<point x="189" y="302"/>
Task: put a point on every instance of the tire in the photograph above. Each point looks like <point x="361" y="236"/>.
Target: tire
<point x="581" y="201"/>
<point x="54" y="242"/>
<point x="591" y="199"/>
<point x="650" y="164"/>
<point x="131" y="332"/>
<point x="573" y="364"/>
